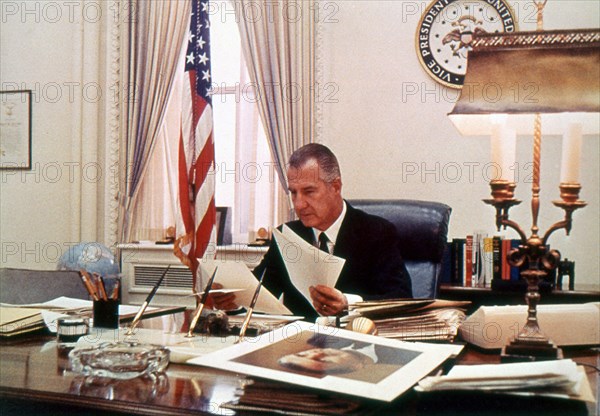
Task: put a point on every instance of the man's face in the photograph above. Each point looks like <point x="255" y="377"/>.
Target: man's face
<point x="325" y="360"/>
<point x="317" y="203"/>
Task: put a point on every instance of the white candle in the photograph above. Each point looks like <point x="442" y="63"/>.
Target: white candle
<point x="571" y="154"/>
<point x="503" y="151"/>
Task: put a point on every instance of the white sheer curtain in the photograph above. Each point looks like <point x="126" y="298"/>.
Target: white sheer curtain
<point x="279" y="49"/>
<point x="153" y="210"/>
<point x="156" y="39"/>
<point x="258" y="194"/>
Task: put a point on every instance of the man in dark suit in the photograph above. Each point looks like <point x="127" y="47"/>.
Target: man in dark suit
<point x="373" y="269"/>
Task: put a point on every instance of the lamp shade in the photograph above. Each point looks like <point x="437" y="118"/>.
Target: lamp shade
<point x="520" y="74"/>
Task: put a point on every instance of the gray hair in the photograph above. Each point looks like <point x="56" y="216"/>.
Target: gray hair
<point x="329" y="168"/>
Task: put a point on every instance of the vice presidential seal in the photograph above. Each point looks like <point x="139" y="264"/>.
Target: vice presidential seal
<point x="446" y="29"/>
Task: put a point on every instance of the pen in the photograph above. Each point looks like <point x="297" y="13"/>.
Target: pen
<point x="246" y="322"/>
<point x="144" y="305"/>
<point x="200" y="306"/>
<point x="100" y="286"/>
<point x="115" y="293"/>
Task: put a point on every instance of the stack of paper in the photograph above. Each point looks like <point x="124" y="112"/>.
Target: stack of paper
<point x="18" y="319"/>
<point x="15" y="321"/>
<point x="272" y="397"/>
<point x="558" y="378"/>
<point x="414" y="319"/>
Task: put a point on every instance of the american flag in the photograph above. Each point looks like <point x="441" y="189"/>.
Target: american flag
<point x="195" y="228"/>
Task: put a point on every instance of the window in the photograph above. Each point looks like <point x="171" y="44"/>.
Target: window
<point x="245" y="177"/>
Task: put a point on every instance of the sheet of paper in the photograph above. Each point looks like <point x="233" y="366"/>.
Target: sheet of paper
<point x="236" y="275"/>
<point x="50" y="318"/>
<point x="510" y="370"/>
<point x="307" y="265"/>
<point x="64" y="303"/>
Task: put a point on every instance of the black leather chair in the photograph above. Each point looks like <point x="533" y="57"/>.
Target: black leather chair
<point x="422" y="229"/>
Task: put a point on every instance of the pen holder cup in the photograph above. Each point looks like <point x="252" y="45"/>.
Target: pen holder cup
<point x="106" y="314"/>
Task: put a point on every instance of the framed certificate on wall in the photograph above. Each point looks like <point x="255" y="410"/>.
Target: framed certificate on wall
<point x="15" y="129"/>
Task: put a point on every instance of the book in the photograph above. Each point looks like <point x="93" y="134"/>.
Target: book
<point x="505" y="266"/>
<point x="497" y="257"/>
<point x="468" y="263"/>
<point x="446" y="273"/>
<point x="515" y="273"/>
<point x="487" y="255"/>
<point x="482" y="259"/>
<point x="457" y="259"/>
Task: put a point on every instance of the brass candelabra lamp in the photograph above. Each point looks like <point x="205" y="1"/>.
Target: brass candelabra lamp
<point x="531" y="343"/>
<point x="556" y="75"/>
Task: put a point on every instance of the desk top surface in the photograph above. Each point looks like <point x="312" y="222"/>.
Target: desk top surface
<point x="33" y="370"/>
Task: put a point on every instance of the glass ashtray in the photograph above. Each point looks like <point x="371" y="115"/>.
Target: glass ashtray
<point x="119" y="360"/>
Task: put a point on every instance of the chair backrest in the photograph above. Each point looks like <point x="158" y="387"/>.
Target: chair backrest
<point x="23" y="286"/>
<point x="422" y="230"/>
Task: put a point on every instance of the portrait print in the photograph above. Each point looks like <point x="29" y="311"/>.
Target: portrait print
<point x="332" y="359"/>
<point x="320" y="355"/>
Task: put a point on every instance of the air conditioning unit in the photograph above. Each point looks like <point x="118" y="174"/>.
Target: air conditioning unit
<point x="142" y="265"/>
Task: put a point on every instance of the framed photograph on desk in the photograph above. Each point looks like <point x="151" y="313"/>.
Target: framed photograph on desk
<point x="222" y="222"/>
<point x="15" y="129"/>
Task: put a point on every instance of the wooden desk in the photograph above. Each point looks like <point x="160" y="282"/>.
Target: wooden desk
<point x="34" y="380"/>
<point x="480" y="296"/>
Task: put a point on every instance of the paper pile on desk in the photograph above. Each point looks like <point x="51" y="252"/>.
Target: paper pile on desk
<point x="15" y="321"/>
<point x="307" y="265"/>
<point x="557" y="378"/>
<point x="414" y="319"/>
<point x="18" y="319"/>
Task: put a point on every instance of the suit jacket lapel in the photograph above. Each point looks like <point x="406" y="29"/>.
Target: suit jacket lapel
<point x="306" y="233"/>
<point x="346" y="237"/>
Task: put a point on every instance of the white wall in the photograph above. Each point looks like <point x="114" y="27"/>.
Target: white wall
<point x="53" y="49"/>
<point x="387" y="123"/>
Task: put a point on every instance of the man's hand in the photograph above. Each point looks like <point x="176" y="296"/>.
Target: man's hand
<point x="223" y="301"/>
<point x="328" y="301"/>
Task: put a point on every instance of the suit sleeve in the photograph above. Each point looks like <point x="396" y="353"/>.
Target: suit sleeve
<point x="270" y="262"/>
